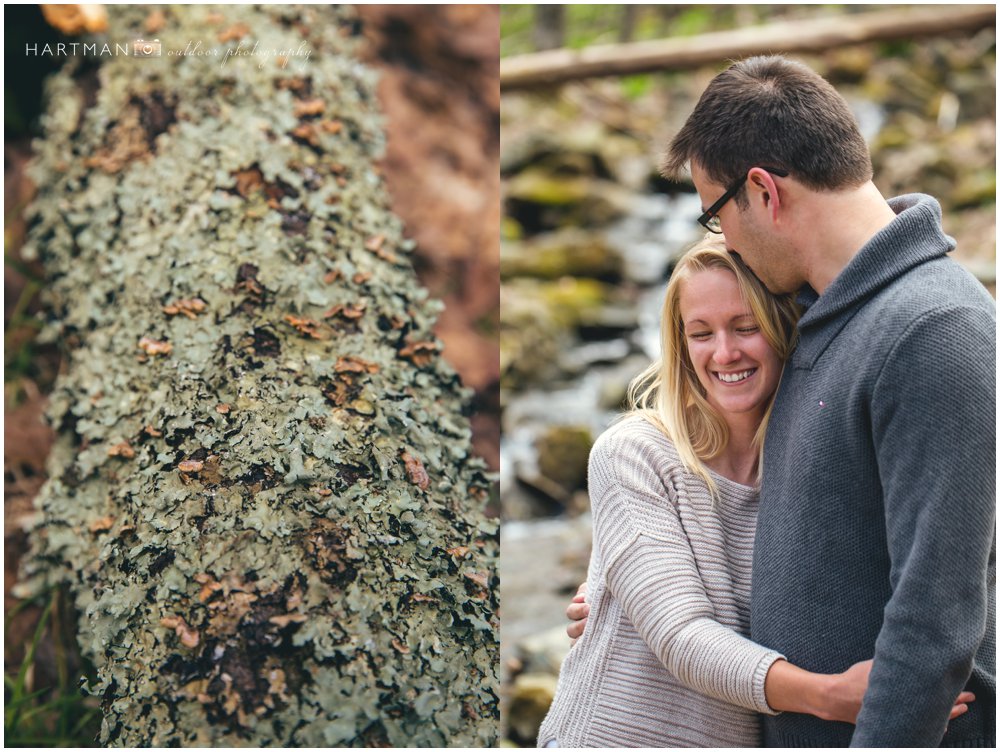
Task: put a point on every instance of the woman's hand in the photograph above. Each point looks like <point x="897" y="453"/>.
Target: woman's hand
<point x="832" y="697"/>
<point x="842" y="699"/>
<point x="577" y="612"/>
<point x="847" y="690"/>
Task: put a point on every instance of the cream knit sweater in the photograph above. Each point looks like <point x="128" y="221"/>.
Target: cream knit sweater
<point x="662" y="662"/>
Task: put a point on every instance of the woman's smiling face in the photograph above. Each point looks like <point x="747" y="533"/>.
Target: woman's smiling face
<point x="737" y="368"/>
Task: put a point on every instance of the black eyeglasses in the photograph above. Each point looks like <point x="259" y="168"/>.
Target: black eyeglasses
<point x="710" y="220"/>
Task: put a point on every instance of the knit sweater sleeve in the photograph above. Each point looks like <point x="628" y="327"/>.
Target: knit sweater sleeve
<point x="651" y="570"/>
<point x="933" y="412"/>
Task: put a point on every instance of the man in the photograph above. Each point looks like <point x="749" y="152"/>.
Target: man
<point x="877" y="514"/>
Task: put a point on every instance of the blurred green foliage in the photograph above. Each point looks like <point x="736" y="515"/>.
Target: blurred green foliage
<point x="587" y="25"/>
<point x="51" y="716"/>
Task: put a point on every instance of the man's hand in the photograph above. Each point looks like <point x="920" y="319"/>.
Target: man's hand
<point x="577" y="613"/>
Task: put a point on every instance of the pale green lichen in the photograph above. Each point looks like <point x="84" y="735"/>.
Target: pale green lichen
<point x="266" y="508"/>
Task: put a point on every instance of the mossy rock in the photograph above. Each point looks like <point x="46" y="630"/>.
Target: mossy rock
<point x="569" y="252"/>
<point x="562" y="455"/>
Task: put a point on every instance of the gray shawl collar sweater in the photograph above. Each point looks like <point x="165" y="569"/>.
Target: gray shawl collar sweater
<point x="877" y="513"/>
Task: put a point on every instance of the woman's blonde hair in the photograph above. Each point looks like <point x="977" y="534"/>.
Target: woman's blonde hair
<point x="668" y="392"/>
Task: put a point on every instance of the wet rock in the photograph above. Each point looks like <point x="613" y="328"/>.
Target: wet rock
<point x="613" y="320"/>
<point x="614" y="382"/>
<point x="562" y="456"/>
<point x="531" y="697"/>
<point x="580" y="360"/>
<point x="553" y="255"/>
<point x="530" y="338"/>
<point x="544" y="652"/>
<point x="541" y="199"/>
<point x="913" y="153"/>
<point x="542" y="319"/>
<point x="848" y="64"/>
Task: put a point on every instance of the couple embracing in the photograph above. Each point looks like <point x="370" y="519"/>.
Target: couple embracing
<point x="832" y="584"/>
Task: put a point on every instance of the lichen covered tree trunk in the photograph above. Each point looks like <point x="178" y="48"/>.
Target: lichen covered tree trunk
<point x="262" y="494"/>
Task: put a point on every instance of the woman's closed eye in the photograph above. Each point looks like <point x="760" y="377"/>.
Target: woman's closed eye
<point x="748" y="329"/>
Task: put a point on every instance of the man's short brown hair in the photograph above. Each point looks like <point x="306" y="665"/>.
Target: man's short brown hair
<point x="774" y="112"/>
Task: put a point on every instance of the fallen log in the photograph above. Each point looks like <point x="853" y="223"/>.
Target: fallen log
<point x="554" y="67"/>
<point x="262" y="496"/>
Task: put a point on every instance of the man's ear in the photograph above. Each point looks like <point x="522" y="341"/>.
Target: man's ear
<point x="762" y="188"/>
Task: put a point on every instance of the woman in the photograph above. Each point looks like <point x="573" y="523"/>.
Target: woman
<point x="673" y="491"/>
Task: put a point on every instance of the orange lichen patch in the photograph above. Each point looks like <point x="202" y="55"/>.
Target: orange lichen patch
<point x="458" y="551"/>
<point x="332" y="126"/>
<point x="210" y="474"/>
<point x="324" y="492"/>
<point x="154" y="22"/>
<point x="234" y="32"/>
<point x="415" y="471"/>
<point x="189" y="637"/>
<point x="150" y="431"/>
<point x="375" y="243"/>
<point x="286" y="619"/>
<point x="361" y="277"/>
<point x="209" y="586"/>
<point x="477" y="577"/>
<point x="248" y="181"/>
<point x="309" y="107"/>
<point x="419" y="353"/>
<point x="345" y="387"/>
<point x="294" y="598"/>
<point x="121" y="450"/>
<point x="349" y="311"/>
<point x="292" y="84"/>
<point x="190" y="307"/>
<point x="276" y="686"/>
<point x="197" y="690"/>
<point x="125" y="144"/>
<point x="421" y="598"/>
<point x="223" y="408"/>
<point x="190" y="466"/>
<point x="308" y="327"/>
<point x="246" y="279"/>
<point x="231" y="698"/>
<point x="154" y="347"/>
<point x="351" y="364"/>
<point x="229" y="611"/>
<point x="341" y="390"/>
<point x="332" y="276"/>
<point x="400" y="647"/>
<point x="306" y="132"/>
<point x="102" y="525"/>
<point x="76" y="19"/>
<point x="214" y="19"/>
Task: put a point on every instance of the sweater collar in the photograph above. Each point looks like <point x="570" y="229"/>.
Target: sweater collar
<point x="912" y="238"/>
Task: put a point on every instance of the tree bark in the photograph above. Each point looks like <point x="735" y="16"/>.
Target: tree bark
<point x="550" y="27"/>
<point x="262" y="492"/>
<point x="627" y="30"/>
<point x="558" y="66"/>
